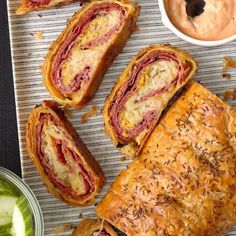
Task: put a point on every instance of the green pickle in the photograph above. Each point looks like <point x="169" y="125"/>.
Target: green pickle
<point x="15" y="212"/>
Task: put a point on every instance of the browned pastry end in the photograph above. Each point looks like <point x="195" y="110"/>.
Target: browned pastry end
<point x="78" y="60"/>
<point x="66" y="166"/>
<point x="93" y="228"/>
<point x="142" y="92"/>
<point x="184" y="182"/>
<point x="35" y="5"/>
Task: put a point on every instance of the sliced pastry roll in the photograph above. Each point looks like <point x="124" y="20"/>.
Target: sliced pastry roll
<point x="66" y="166"/>
<point x="184" y="181"/>
<point x="93" y="228"/>
<point x="78" y="60"/>
<point x="35" y="5"/>
<point x="142" y="93"/>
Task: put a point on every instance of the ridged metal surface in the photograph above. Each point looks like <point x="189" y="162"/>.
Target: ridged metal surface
<point x="27" y="56"/>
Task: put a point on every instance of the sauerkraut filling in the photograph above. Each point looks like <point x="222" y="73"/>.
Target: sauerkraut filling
<point x="60" y="159"/>
<point x="84" y="46"/>
<point x="138" y="103"/>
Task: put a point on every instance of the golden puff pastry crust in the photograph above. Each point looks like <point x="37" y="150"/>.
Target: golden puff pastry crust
<point x="35" y="5"/>
<point x="142" y="92"/>
<point x="66" y="166"/>
<point x="79" y="58"/>
<point x="184" y="182"/>
<point x="89" y="227"/>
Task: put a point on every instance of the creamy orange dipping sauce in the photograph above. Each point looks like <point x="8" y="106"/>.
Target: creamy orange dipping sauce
<point x="218" y="20"/>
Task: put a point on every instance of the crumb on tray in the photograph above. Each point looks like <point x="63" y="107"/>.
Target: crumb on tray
<point x="123" y="158"/>
<point x="226" y="76"/>
<point x="38" y="35"/>
<point x="228" y="63"/>
<point x="62" y="228"/>
<point x="90" y="113"/>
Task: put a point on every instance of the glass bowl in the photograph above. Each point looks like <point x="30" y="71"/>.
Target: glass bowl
<point x="32" y="200"/>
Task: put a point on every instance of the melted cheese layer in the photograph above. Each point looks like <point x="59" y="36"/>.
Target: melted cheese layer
<point x="81" y="58"/>
<point x="68" y="174"/>
<point x="151" y="78"/>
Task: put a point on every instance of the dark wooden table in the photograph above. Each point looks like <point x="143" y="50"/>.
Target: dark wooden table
<point x="9" y="149"/>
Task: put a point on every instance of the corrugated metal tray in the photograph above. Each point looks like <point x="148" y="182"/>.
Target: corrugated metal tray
<point x="27" y="56"/>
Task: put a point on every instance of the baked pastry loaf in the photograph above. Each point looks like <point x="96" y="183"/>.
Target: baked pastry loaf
<point x="142" y="93"/>
<point x="78" y="60"/>
<point x="93" y="228"/>
<point x="66" y="166"/>
<point x="35" y="5"/>
<point x="184" y="182"/>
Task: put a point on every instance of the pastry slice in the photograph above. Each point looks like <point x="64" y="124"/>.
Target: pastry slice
<point x="184" y="181"/>
<point x="93" y="228"/>
<point x="77" y="61"/>
<point x="66" y="166"/>
<point x="142" y="93"/>
<point x="35" y="5"/>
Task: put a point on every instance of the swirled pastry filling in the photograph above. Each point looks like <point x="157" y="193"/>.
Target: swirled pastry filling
<point x="84" y="46"/>
<point x="60" y="159"/>
<point x="139" y="102"/>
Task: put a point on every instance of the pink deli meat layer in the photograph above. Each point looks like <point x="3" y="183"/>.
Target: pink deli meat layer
<point x="142" y="93"/>
<point x="78" y="60"/>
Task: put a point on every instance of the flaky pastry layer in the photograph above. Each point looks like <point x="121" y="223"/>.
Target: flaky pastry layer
<point x="36" y="5"/>
<point x="184" y="182"/>
<point x="89" y="227"/>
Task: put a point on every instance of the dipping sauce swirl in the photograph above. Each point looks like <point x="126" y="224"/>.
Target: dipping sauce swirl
<point x="217" y="20"/>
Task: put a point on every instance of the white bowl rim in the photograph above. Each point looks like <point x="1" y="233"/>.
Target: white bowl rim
<point x="167" y="22"/>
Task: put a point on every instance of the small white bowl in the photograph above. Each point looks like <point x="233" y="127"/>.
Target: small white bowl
<point x="167" y="23"/>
